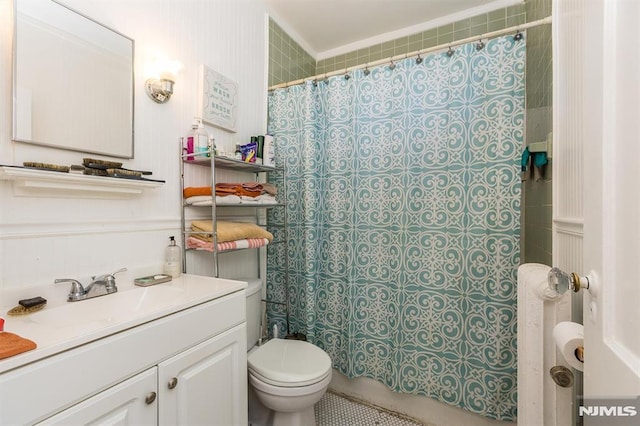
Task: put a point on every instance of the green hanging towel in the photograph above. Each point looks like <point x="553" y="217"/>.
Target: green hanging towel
<point x="524" y="163"/>
<point x="539" y="159"/>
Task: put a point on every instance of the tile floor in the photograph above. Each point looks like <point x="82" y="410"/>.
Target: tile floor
<point x="334" y="410"/>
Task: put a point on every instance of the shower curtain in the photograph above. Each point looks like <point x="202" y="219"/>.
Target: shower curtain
<point x="403" y="216"/>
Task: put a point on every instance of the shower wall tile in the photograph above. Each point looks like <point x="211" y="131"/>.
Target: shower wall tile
<point x="288" y="61"/>
<point x="464" y="28"/>
<point x="538" y="219"/>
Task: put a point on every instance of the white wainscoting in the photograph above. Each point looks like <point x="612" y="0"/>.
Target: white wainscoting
<point x="568" y="203"/>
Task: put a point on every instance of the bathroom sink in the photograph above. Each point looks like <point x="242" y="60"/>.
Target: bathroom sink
<point x="103" y="310"/>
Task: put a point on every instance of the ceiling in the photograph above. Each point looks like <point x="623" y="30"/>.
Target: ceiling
<point x="327" y="28"/>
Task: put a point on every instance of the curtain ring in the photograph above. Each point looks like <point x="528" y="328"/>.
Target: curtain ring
<point x="480" y="45"/>
<point x="419" y="59"/>
<point x="366" y="70"/>
<point x="518" y="36"/>
<point x="450" y="52"/>
<point x="346" y="74"/>
<point x="392" y="64"/>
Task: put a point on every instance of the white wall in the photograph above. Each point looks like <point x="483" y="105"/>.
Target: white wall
<point x="46" y="238"/>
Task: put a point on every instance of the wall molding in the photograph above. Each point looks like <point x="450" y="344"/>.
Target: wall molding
<point x="569" y="226"/>
<point x="27" y="230"/>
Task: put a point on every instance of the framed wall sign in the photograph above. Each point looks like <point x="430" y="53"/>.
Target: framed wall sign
<point x="219" y="99"/>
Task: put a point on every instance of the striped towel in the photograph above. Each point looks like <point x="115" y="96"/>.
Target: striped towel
<point x="196" y="243"/>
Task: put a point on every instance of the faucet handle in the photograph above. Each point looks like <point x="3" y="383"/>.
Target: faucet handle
<point x="107" y="276"/>
<point x="110" y="280"/>
<point x="77" y="290"/>
<point x="119" y="270"/>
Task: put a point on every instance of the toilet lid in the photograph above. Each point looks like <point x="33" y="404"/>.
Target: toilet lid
<point x="284" y="362"/>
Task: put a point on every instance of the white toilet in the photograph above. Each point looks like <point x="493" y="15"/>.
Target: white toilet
<point x="286" y="377"/>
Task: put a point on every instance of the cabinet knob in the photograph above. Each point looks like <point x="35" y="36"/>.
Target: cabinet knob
<point x="151" y="396"/>
<point x="172" y="383"/>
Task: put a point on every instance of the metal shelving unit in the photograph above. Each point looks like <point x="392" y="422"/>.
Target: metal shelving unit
<point x="214" y="162"/>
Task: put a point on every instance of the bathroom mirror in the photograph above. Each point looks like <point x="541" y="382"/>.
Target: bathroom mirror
<point x="72" y="81"/>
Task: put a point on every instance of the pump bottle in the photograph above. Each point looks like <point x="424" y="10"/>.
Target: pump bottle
<point x="172" y="259"/>
<point x="201" y="139"/>
<point x="189" y="147"/>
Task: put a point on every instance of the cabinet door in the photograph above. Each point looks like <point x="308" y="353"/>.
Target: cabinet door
<point x="207" y="384"/>
<point x="132" y="402"/>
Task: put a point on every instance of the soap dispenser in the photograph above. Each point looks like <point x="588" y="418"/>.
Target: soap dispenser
<point x="201" y="139"/>
<point x="172" y="259"/>
<point x="189" y="142"/>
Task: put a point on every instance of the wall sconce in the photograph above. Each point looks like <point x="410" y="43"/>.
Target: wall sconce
<point x="160" y="90"/>
<point x="159" y="86"/>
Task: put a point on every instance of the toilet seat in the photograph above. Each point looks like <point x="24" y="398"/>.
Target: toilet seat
<point x="289" y="363"/>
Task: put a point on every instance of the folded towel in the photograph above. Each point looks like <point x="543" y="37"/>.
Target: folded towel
<point x="249" y="200"/>
<point x="229" y="231"/>
<point x="196" y="243"/>
<point x="199" y="200"/>
<point x="224" y="188"/>
<point x="192" y="191"/>
<point x="269" y="188"/>
<point x="228" y="200"/>
<point x="12" y="344"/>
<point x="267" y="199"/>
<point x="251" y="189"/>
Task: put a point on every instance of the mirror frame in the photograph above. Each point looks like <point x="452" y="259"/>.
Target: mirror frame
<point x="14" y="103"/>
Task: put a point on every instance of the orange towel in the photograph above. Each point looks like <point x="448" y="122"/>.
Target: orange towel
<point x="191" y="191"/>
<point x="223" y="189"/>
<point x="12" y="344"/>
<point x="249" y="189"/>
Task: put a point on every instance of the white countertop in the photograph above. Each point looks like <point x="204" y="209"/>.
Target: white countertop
<point x="62" y="326"/>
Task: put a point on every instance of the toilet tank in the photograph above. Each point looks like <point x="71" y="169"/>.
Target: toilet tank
<point x="254" y="311"/>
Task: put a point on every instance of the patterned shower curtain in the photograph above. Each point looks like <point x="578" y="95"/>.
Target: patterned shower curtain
<point x="403" y="215"/>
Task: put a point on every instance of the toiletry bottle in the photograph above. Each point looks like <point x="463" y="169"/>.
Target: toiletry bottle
<point x="190" y="146"/>
<point x="238" y="153"/>
<point x="260" y="153"/>
<point x="213" y="149"/>
<point x="172" y="259"/>
<point x="268" y="151"/>
<point x="201" y="139"/>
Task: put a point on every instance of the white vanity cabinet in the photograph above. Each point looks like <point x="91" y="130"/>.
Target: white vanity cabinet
<point x="205" y="385"/>
<point x="187" y="367"/>
<point x="132" y="402"/>
<point x="200" y="386"/>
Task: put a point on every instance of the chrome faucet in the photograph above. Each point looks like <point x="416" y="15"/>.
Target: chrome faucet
<point x="99" y="286"/>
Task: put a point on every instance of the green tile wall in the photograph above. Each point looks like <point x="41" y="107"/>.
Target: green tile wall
<point x="287" y="60"/>
<point x="537" y="213"/>
<point x="476" y="25"/>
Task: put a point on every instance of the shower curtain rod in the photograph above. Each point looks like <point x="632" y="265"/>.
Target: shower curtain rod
<point x="492" y="34"/>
